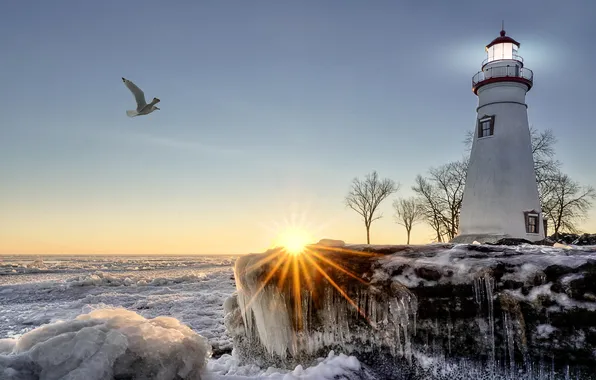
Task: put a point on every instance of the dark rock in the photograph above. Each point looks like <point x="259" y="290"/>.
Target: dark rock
<point x="557" y="288"/>
<point x="479" y="248"/>
<point x="539" y="279"/>
<point x="554" y="272"/>
<point x="575" y="239"/>
<point x="477" y="306"/>
<point x="512" y="284"/>
<point x="581" y="286"/>
<point x="397" y="271"/>
<point x="510" y="241"/>
<point x="547" y="241"/>
<point x="218" y="352"/>
<point x="428" y="274"/>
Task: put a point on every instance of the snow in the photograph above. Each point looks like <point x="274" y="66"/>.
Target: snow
<point x="562" y="301"/>
<point x="334" y="366"/>
<point x="54" y="296"/>
<point x="58" y="312"/>
<point x="543" y="331"/>
<point x="465" y="265"/>
<point x="23" y="269"/>
<point x="107" y="343"/>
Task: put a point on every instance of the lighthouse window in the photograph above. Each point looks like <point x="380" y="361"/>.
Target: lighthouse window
<point x="532" y="220"/>
<point x="486" y="126"/>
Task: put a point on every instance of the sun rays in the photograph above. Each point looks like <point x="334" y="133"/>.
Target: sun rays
<point x="306" y="272"/>
<point x="303" y="272"/>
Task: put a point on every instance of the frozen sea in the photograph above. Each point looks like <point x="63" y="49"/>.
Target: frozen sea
<point x="38" y="290"/>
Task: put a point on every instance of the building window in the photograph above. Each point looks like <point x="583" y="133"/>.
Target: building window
<point x="486" y="126"/>
<point x="532" y="222"/>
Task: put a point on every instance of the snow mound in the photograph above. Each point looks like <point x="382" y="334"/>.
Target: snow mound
<point x="333" y="367"/>
<point x="106" y="344"/>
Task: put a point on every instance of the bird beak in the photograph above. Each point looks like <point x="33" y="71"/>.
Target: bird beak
<point x="156" y="108"/>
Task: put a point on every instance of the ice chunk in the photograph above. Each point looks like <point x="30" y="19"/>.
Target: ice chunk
<point x="105" y="344"/>
<point x="7" y="345"/>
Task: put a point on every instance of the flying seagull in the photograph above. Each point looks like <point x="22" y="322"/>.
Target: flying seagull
<point x="142" y="107"/>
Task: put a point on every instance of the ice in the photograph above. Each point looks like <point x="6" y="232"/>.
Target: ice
<point x="105" y="279"/>
<point x="561" y="300"/>
<point x="20" y="269"/>
<point x="334" y="366"/>
<point x="108" y="343"/>
<point x="193" y="290"/>
<point x="193" y="296"/>
<point x="7" y="345"/>
<point x="465" y="265"/>
<point x="331" y="368"/>
<point x="544" y="330"/>
<point x="196" y="291"/>
<point x="265" y="314"/>
<point x="271" y="317"/>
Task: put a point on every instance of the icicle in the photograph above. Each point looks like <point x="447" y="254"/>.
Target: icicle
<point x="489" y="287"/>
<point x="509" y="332"/>
<point x="449" y="328"/>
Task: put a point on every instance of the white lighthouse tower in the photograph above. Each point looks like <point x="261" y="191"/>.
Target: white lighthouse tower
<point x="501" y="194"/>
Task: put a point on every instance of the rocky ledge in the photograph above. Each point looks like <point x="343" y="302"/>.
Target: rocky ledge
<point x="421" y="312"/>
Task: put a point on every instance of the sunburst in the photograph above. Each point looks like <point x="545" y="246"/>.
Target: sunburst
<point x="293" y="240"/>
<point x="298" y="264"/>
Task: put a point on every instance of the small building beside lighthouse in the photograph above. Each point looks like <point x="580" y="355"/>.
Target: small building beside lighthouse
<point x="501" y="193"/>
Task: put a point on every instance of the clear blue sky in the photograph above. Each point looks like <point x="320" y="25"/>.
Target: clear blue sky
<point x="268" y="108"/>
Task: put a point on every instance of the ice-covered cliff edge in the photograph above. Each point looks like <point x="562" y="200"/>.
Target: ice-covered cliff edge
<point x="504" y="309"/>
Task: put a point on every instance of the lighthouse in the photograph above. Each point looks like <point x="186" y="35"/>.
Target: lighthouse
<point x="501" y="193"/>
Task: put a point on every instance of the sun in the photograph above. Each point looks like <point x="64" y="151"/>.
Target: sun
<point x="293" y="240"/>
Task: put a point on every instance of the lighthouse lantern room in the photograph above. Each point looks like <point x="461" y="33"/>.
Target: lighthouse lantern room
<point x="501" y="193"/>
<point x="502" y="47"/>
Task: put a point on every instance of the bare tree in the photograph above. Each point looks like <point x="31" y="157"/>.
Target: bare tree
<point x="545" y="166"/>
<point x="408" y="211"/>
<point x="566" y="202"/>
<point x="450" y="180"/>
<point x="441" y="195"/>
<point x="430" y="208"/>
<point x="366" y="195"/>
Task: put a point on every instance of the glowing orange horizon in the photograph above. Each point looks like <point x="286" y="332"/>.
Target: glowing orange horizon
<point x="41" y="235"/>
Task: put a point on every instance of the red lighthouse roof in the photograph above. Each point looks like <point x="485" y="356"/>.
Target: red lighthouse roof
<point x="502" y="39"/>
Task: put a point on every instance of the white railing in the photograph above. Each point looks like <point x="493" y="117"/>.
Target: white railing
<point x="503" y="72"/>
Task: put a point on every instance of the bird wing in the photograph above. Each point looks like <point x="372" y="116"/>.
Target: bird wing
<point x="137" y="92"/>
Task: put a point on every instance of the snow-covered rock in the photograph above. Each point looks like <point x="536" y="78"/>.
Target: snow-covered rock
<point x="575" y="239"/>
<point x="106" y="344"/>
<point x="479" y="307"/>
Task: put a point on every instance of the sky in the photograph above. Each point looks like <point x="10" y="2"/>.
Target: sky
<point x="269" y="109"/>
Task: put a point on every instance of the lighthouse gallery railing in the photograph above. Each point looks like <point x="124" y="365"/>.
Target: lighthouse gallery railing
<point x="502" y="72"/>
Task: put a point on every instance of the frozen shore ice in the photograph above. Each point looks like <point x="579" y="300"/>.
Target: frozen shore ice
<point x="105" y="344"/>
